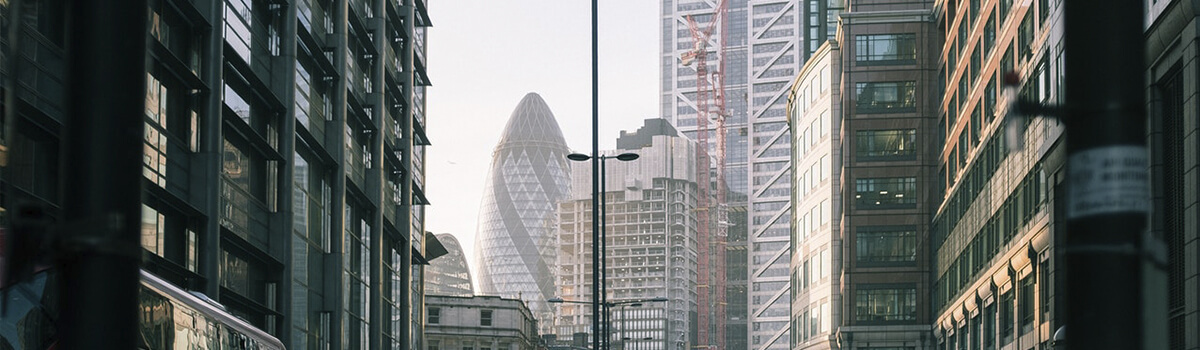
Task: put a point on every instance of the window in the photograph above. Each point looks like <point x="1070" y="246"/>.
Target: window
<point x="485" y="317"/>
<point x="170" y="236"/>
<point x="884" y="97"/>
<point x="989" y="36"/>
<point x="1044" y="288"/>
<point x="974" y="10"/>
<point x="312" y="200"/>
<point x="885" y="303"/>
<point x="885" y="49"/>
<point x="312" y="99"/>
<point x="1026" y="306"/>
<point x="170" y="132"/>
<point x="989" y="326"/>
<point x="975" y="330"/>
<point x="885" y="245"/>
<point x="1025" y="35"/>
<point x="1006" y="318"/>
<point x="252" y="30"/>
<point x="989" y="101"/>
<point x="435" y="315"/>
<point x="885" y="144"/>
<point x="886" y="193"/>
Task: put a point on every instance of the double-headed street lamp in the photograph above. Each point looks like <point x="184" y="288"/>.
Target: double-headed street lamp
<point x="606" y="334"/>
<point x="599" y="239"/>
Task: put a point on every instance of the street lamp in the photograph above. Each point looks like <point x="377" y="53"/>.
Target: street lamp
<point x="608" y="307"/>
<point x="599" y="237"/>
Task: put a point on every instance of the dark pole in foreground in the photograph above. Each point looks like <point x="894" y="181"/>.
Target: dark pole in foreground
<point x="103" y="173"/>
<point x="1108" y="192"/>
<point x="595" y="180"/>
<point x="605" y="327"/>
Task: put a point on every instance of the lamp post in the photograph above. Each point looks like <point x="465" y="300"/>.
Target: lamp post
<point x="608" y="306"/>
<point x="595" y="164"/>
<point x="600" y="239"/>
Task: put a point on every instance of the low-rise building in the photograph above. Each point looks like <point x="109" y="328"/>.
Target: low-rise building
<point x="478" y="323"/>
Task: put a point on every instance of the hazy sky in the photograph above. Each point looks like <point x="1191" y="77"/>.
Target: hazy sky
<point x="485" y="55"/>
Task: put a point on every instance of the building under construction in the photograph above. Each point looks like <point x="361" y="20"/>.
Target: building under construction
<point x="652" y="243"/>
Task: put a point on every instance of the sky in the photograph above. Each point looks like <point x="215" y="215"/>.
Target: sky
<point x="485" y="55"/>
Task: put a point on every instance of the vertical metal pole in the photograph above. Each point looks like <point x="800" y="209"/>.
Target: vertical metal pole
<point x="595" y="180"/>
<point x="605" y="327"/>
<point x="1108" y="192"/>
<point x="103" y="173"/>
<point x="623" y="341"/>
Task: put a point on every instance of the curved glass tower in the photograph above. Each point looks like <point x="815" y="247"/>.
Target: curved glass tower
<point x="448" y="275"/>
<point x="516" y="239"/>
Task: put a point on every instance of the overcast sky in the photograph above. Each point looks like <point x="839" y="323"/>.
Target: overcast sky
<point x="485" y="55"/>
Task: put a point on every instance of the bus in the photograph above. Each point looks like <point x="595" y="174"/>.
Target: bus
<point x="170" y="318"/>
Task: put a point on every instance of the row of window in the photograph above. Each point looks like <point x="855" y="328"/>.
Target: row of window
<point x="885" y="193"/>
<point x="1018" y="209"/>
<point x="434" y="316"/>
<point x="811" y="323"/>
<point x="1013" y="311"/>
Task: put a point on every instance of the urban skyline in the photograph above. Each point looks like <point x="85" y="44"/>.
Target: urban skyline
<point x="815" y="174"/>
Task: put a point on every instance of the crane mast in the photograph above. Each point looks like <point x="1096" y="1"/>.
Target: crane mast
<point x="711" y="230"/>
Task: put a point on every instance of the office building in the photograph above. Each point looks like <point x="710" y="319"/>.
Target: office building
<point x="1171" y="54"/>
<point x="651" y="239"/>
<point x="284" y="158"/>
<point x="479" y="323"/>
<point x="816" y="260"/>
<point x="449" y="275"/>
<point x="516" y="241"/>
<point x="884" y="56"/>
<point x="998" y="221"/>
<point x="762" y="45"/>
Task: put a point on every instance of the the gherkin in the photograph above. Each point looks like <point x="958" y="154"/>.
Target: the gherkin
<point x="516" y="239"/>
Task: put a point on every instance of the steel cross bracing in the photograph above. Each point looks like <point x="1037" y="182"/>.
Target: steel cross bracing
<point x="711" y="233"/>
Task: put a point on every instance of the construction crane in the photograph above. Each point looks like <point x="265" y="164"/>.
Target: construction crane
<point x="711" y="233"/>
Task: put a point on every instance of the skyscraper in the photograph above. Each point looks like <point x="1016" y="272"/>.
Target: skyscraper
<point x="516" y="240"/>
<point x="651" y="235"/>
<point x="762" y="44"/>
<point x="449" y="275"/>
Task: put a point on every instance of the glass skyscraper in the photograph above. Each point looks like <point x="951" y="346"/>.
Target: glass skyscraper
<point x="516" y="238"/>
<point x="763" y="52"/>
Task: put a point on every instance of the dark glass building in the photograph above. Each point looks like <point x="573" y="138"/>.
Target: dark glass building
<point x="284" y="158"/>
<point x="885" y="54"/>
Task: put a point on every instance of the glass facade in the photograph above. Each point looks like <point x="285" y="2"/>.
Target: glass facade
<point x="449" y="274"/>
<point x="516" y="241"/>
<point x="885" y="193"/>
<point x="886" y="97"/>
<point x="885" y="304"/>
<point x="886" y="245"/>
<point x="885" y="144"/>
<point x="242" y="202"/>
<point x="884" y="49"/>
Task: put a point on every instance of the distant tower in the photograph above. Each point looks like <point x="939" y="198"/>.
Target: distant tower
<point x="516" y="241"/>
<point x="448" y="275"/>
